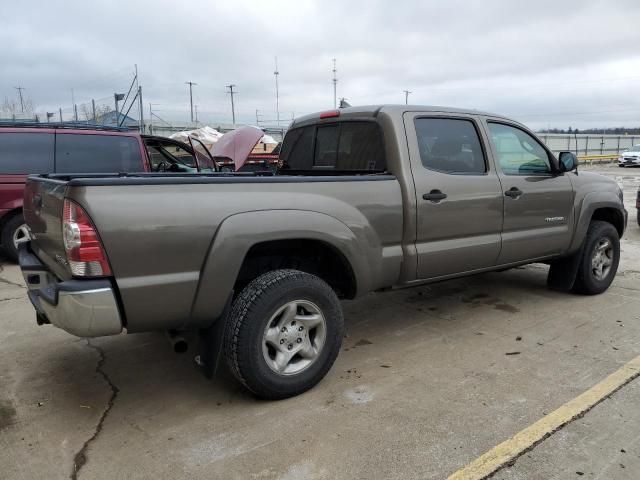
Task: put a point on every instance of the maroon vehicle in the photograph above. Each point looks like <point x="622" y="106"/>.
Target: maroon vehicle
<point x="70" y="148"/>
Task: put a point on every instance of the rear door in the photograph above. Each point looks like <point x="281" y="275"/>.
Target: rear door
<point x="458" y="195"/>
<point x="538" y="201"/>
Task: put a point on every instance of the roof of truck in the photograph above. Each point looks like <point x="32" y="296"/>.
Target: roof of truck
<point x="373" y="110"/>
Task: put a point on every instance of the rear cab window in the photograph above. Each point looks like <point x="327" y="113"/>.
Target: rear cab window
<point x="26" y="153"/>
<point x="89" y="153"/>
<point x="347" y="146"/>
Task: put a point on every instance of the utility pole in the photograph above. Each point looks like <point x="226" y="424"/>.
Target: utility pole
<point x="406" y="96"/>
<point x="275" y="74"/>
<point x="191" y="84"/>
<point x="335" y="81"/>
<point x="93" y="109"/>
<point x="233" y="108"/>
<point x="20" y="89"/>
<point x="196" y="107"/>
<point x="60" y="111"/>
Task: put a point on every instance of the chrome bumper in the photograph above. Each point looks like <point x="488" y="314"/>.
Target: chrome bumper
<point x="85" y="308"/>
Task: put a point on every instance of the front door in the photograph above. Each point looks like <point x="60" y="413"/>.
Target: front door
<point x="538" y="201"/>
<point x="458" y="195"/>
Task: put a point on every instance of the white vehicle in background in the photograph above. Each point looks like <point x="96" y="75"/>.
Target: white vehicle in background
<point x="630" y="158"/>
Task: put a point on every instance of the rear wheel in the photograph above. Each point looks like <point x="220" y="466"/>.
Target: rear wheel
<point x="600" y="258"/>
<point x="14" y="233"/>
<point x="283" y="334"/>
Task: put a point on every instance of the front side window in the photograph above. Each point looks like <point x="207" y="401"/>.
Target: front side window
<point x="450" y="145"/>
<point x="26" y="152"/>
<point x="518" y="152"/>
<point x="78" y="153"/>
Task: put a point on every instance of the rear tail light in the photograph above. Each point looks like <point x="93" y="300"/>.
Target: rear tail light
<point x="85" y="253"/>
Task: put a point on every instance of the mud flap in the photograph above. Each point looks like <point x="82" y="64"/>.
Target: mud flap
<point x="211" y="340"/>
<point x="563" y="272"/>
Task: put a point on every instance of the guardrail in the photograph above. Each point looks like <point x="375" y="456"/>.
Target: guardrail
<point x="591" y="159"/>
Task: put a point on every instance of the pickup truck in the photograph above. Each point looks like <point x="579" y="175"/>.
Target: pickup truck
<point x="365" y="199"/>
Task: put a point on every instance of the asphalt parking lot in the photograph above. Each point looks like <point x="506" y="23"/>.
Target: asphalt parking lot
<point x="428" y="380"/>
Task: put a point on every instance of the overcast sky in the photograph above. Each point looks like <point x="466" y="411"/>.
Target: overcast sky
<point x="549" y="63"/>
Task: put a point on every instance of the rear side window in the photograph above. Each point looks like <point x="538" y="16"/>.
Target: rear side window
<point x="26" y="153"/>
<point x="450" y="145"/>
<point x="344" y="146"/>
<point x="97" y="154"/>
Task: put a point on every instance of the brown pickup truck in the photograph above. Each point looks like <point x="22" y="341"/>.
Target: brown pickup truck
<point x="366" y="199"/>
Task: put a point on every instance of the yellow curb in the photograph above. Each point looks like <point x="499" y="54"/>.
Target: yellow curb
<point x="509" y="450"/>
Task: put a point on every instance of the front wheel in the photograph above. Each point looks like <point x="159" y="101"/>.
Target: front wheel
<point x="283" y="334"/>
<point x="600" y="258"/>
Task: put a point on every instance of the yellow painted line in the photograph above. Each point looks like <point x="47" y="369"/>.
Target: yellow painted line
<point x="509" y="450"/>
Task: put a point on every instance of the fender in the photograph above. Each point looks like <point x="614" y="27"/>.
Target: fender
<point x="238" y="233"/>
<point x="563" y="271"/>
<point x="590" y="203"/>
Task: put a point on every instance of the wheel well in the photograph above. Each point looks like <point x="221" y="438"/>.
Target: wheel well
<point x="612" y="216"/>
<point x="311" y="256"/>
<point x="7" y="217"/>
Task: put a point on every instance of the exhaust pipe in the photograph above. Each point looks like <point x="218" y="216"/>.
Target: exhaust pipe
<point x="178" y="342"/>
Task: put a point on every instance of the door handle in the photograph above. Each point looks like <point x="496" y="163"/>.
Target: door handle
<point x="513" y="192"/>
<point x="434" y="196"/>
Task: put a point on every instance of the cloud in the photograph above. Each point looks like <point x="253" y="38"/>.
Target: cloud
<point x="545" y="63"/>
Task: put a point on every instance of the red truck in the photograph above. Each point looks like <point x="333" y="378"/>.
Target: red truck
<point x="71" y="148"/>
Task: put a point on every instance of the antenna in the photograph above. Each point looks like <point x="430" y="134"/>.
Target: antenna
<point x="275" y="74"/>
<point x="233" y="109"/>
<point x="20" y="89"/>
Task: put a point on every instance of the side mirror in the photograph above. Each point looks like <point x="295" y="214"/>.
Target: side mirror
<point x="568" y="161"/>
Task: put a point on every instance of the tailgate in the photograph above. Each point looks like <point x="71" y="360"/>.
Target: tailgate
<point x="43" y="210"/>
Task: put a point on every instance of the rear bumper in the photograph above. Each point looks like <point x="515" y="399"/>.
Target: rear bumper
<point x="85" y="308"/>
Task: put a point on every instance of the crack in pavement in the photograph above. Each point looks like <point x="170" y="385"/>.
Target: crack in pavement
<point x="80" y="458"/>
<point x="9" y="282"/>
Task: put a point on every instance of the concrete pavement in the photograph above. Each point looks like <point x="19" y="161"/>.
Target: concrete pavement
<point x="428" y="380"/>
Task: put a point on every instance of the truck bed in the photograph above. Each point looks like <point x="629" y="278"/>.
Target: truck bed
<point x="175" y="242"/>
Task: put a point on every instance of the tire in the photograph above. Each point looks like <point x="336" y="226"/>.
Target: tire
<point x="588" y="281"/>
<point x="621" y="165"/>
<point x="638" y="217"/>
<point x="267" y="323"/>
<point x="13" y="230"/>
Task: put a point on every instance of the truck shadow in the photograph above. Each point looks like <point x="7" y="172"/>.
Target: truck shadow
<point x="144" y="366"/>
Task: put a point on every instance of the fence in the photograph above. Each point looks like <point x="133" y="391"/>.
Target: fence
<point x="587" y="145"/>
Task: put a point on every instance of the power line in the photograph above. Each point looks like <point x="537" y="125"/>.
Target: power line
<point x="233" y="108"/>
<point x="191" y="84"/>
